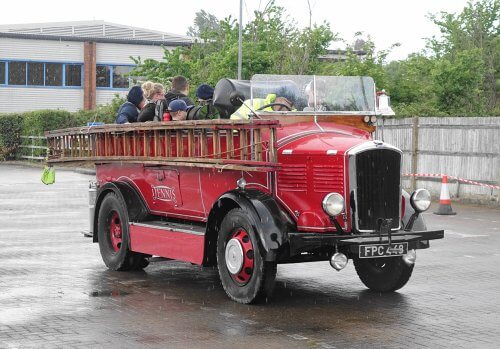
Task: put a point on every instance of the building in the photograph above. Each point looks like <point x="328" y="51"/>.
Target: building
<point x="340" y="55"/>
<point x="72" y="65"/>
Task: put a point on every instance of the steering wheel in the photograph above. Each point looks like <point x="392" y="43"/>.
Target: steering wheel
<point x="287" y="107"/>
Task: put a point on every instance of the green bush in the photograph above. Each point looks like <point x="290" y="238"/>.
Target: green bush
<point x="10" y="135"/>
<point x="416" y="109"/>
<point x="35" y="123"/>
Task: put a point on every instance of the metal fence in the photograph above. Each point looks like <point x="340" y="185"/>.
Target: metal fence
<point x="33" y="147"/>
<point x="465" y="147"/>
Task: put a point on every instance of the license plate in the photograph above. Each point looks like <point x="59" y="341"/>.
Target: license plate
<point x="383" y="250"/>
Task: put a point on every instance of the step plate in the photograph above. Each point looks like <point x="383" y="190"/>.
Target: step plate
<point x="180" y="242"/>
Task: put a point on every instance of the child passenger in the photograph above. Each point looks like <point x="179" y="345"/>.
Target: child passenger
<point x="178" y="110"/>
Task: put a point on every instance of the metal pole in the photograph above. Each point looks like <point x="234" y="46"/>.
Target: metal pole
<point x="414" y="152"/>
<point x="239" y="41"/>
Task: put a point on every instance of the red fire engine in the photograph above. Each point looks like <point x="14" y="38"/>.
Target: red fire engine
<point x="297" y="182"/>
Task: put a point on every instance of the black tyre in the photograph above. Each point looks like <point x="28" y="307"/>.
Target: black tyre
<point x="245" y="276"/>
<point x="383" y="274"/>
<point x="113" y="235"/>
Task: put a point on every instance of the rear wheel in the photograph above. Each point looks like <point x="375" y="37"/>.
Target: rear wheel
<point x="383" y="274"/>
<point x="244" y="274"/>
<point x="113" y="235"/>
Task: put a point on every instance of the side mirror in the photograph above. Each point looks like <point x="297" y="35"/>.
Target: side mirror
<point x="236" y="98"/>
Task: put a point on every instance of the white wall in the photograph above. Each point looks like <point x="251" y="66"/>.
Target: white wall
<point x="20" y="99"/>
<point x="105" y="96"/>
<point x="41" y="50"/>
<point x="120" y="53"/>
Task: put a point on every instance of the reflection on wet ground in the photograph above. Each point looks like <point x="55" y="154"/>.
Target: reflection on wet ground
<point x="56" y="291"/>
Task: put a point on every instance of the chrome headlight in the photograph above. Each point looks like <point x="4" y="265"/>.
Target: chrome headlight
<point x="420" y="200"/>
<point x="333" y="204"/>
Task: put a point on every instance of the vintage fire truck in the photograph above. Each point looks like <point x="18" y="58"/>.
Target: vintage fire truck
<point x="295" y="182"/>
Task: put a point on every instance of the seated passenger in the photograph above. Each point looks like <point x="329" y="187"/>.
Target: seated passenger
<point x="178" y="110"/>
<point x="243" y="112"/>
<point x="205" y="108"/>
<point x="180" y="90"/>
<point x="155" y="108"/>
<point x="129" y="111"/>
<point x="315" y="93"/>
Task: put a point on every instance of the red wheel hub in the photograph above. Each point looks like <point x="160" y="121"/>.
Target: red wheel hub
<point x="240" y="257"/>
<point x="115" y="231"/>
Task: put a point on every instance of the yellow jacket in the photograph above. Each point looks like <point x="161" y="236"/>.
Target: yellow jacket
<point x="243" y="112"/>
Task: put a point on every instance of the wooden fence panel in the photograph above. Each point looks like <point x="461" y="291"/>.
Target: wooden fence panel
<point x="465" y="147"/>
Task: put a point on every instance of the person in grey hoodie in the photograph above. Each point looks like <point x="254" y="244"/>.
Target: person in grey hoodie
<point x="180" y="90"/>
<point x="128" y="111"/>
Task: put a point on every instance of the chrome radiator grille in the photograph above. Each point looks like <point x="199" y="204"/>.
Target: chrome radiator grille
<point x="377" y="187"/>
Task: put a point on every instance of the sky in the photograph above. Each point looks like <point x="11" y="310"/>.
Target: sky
<point x="387" y="22"/>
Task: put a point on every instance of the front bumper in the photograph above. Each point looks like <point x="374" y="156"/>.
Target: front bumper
<point x="310" y="242"/>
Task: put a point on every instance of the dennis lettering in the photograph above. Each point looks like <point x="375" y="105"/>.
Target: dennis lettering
<point x="163" y="194"/>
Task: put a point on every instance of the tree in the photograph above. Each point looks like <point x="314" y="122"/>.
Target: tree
<point x="272" y="44"/>
<point x="369" y="64"/>
<point x="205" y="24"/>
<point x="458" y="83"/>
<point x="475" y="32"/>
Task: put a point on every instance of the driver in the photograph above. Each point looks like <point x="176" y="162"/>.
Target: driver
<point x="281" y="103"/>
<point x="243" y="112"/>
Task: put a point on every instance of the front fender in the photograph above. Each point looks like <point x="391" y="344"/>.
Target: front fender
<point x="268" y="220"/>
<point x="419" y="224"/>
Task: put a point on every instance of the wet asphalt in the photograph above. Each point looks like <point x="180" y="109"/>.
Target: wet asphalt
<point x="55" y="291"/>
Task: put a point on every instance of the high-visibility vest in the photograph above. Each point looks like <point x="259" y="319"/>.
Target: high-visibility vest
<point x="243" y="112"/>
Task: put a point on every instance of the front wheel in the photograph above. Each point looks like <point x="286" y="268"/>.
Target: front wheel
<point x="113" y="236"/>
<point x="244" y="274"/>
<point x="386" y="274"/>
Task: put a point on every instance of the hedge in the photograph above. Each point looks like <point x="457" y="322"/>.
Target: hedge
<point x="10" y="135"/>
<point x="35" y="123"/>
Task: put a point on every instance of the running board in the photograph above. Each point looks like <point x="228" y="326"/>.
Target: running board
<point x="171" y="226"/>
<point x="184" y="242"/>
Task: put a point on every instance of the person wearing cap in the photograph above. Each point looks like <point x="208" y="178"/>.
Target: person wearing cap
<point x="205" y="108"/>
<point x="129" y="111"/>
<point x="178" y="110"/>
<point x="180" y="90"/>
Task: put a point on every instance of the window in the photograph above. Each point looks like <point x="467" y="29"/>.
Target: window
<point x="103" y="76"/>
<point x="40" y="74"/>
<point x="113" y="76"/>
<point x="53" y="74"/>
<point x="2" y="73"/>
<point x="120" y="76"/>
<point x="35" y="74"/>
<point x="73" y="75"/>
<point x="17" y="73"/>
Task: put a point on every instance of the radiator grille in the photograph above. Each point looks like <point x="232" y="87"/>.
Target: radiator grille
<point x="378" y="193"/>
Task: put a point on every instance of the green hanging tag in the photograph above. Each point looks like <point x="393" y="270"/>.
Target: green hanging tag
<point x="48" y="175"/>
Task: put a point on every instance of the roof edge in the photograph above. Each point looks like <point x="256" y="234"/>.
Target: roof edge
<point x="94" y="39"/>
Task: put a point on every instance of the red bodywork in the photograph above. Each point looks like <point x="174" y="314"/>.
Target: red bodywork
<point x="306" y="150"/>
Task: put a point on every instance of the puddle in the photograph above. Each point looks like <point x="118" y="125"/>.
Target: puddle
<point x="108" y="293"/>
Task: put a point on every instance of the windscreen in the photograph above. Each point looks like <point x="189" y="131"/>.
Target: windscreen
<point x="307" y="93"/>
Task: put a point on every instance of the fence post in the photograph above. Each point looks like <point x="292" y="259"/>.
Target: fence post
<point x="414" y="151"/>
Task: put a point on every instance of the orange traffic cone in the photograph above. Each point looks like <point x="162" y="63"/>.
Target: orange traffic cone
<point x="444" y="199"/>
